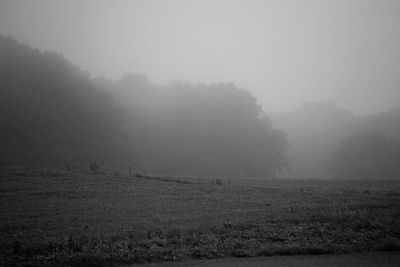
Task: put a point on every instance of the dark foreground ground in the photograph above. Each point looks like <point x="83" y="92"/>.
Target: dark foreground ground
<point x="50" y="217"/>
<point x="372" y="259"/>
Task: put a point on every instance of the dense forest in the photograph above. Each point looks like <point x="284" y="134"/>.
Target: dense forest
<point x="54" y="113"/>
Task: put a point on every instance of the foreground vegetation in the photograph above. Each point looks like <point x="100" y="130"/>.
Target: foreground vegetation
<point x="59" y="218"/>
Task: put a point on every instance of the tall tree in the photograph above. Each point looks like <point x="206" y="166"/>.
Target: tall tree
<point x="50" y="111"/>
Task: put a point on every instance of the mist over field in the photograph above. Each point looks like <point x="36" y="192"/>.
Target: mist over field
<point x="152" y="131"/>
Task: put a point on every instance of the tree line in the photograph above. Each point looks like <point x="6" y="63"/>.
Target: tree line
<point x="51" y="112"/>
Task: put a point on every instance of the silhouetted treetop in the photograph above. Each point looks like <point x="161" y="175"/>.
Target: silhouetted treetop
<point x="49" y="109"/>
<point x="53" y="112"/>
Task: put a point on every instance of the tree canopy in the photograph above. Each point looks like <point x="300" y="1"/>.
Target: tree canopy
<point x="52" y="112"/>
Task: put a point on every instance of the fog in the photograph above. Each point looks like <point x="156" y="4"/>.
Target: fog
<point x="295" y="89"/>
<point x="194" y="131"/>
<point x="283" y="52"/>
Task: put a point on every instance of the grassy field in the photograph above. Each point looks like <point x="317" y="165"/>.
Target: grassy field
<point x="54" y="217"/>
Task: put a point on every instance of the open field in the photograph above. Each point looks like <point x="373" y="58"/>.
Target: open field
<point x="54" y="217"/>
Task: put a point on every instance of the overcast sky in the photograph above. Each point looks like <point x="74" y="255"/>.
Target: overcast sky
<point x="284" y="52"/>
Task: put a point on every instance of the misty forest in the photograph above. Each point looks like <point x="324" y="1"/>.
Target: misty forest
<point x="110" y="170"/>
<point x="52" y="113"/>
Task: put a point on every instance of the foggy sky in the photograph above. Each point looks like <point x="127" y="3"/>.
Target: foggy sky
<point x="284" y="52"/>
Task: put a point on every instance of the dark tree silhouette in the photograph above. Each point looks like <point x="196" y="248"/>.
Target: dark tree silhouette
<point x="52" y="112"/>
